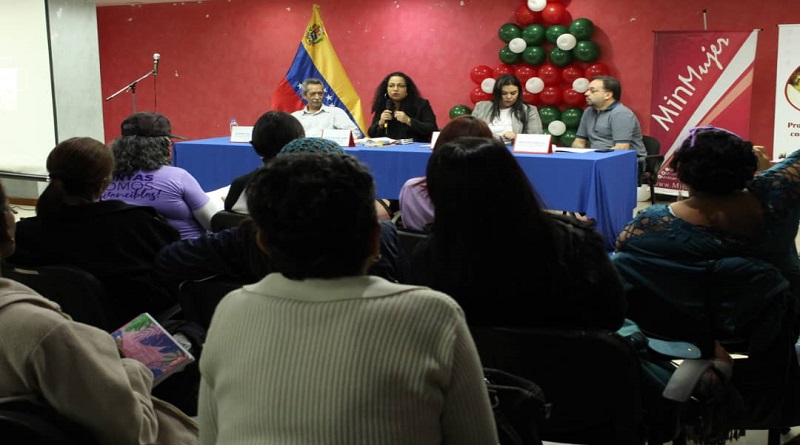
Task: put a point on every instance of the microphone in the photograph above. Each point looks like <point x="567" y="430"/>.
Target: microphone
<point x="389" y="106"/>
<point x="156" y="57"/>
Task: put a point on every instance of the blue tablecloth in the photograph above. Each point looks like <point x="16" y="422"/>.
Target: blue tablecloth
<point x="603" y="185"/>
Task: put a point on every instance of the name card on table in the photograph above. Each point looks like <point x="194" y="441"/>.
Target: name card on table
<point x="241" y="134"/>
<point x="434" y="137"/>
<point x="341" y="137"/>
<point x="532" y="143"/>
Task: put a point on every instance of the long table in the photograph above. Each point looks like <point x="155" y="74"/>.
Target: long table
<point x="603" y="185"/>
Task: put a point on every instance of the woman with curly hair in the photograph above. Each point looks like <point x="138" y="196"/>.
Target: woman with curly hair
<point x="145" y="176"/>
<point x="400" y="112"/>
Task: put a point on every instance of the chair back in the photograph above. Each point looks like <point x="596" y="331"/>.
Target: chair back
<point x="79" y="293"/>
<point x="226" y="219"/>
<point x="24" y="422"/>
<point x="592" y="379"/>
<point x="199" y="298"/>
<point x="652" y="164"/>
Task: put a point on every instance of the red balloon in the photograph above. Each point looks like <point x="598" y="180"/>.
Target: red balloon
<point x="479" y="73"/>
<point x="567" y="20"/>
<point x="478" y="95"/>
<point x="597" y="69"/>
<point x="524" y="72"/>
<point x="573" y="98"/>
<point x="527" y="17"/>
<point x="554" y="13"/>
<point x="551" y="96"/>
<point x="503" y="68"/>
<point x="530" y="98"/>
<point x="571" y="72"/>
<point x="550" y="74"/>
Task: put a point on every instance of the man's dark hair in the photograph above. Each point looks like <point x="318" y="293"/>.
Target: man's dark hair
<point x="612" y="85"/>
<point x="272" y="131"/>
<point x="316" y="212"/>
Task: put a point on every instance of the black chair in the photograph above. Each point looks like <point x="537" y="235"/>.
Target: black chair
<point x="79" y="293"/>
<point x="199" y="298"/>
<point x="225" y="219"/>
<point x="23" y="422"/>
<point x="409" y="240"/>
<point x="767" y="379"/>
<point x="592" y="378"/>
<point x="652" y="164"/>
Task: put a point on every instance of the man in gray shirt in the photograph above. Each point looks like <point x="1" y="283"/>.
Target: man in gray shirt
<point x="316" y="117"/>
<point x="607" y="123"/>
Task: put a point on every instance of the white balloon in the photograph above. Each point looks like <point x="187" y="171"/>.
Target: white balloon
<point x="534" y="85"/>
<point x="580" y="84"/>
<point x="517" y="45"/>
<point x="556" y="128"/>
<point x="487" y="85"/>
<point x="566" y="41"/>
<point x="536" y="5"/>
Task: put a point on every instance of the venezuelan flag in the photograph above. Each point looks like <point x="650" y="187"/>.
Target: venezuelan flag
<point x="316" y="58"/>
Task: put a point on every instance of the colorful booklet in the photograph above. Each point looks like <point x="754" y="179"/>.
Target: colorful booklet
<point x="145" y="340"/>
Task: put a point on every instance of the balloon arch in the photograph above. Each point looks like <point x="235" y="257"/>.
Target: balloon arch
<point x="553" y="56"/>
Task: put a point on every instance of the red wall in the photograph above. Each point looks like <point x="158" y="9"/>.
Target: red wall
<point x="223" y="58"/>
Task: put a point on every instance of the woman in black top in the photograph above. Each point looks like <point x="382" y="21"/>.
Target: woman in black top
<point x="400" y="112"/>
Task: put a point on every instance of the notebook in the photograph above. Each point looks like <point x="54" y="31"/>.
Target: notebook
<point x="145" y="340"/>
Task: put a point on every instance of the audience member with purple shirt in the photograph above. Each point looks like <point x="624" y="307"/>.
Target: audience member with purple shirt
<point x="416" y="209"/>
<point x="144" y="176"/>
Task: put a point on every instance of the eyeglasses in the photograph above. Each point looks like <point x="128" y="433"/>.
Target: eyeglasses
<point x="595" y="90"/>
<point x="396" y="85"/>
<point x="315" y="93"/>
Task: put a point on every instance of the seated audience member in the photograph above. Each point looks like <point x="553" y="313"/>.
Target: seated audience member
<point x="731" y="213"/>
<point x="48" y="359"/>
<point x="272" y="131"/>
<point x="507" y="114"/>
<point x="115" y="241"/>
<point x="144" y="176"/>
<point x="400" y="112"/>
<point x="232" y="253"/>
<point x="487" y="218"/>
<point x="395" y="363"/>
<point x="416" y="209"/>
<point x="607" y="123"/>
<point x="317" y="117"/>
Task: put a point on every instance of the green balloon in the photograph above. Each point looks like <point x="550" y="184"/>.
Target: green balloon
<point x="508" y="56"/>
<point x="581" y="28"/>
<point x="534" y="55"/>
<point x="568" y="137"/>
<point x="509" y="31"/>
<point x="586" y="51"/>
<point x="549" y="113"/>
<point x="572" y="117"/>
<point x="459" y="110"/>
<point x="533" y="34"/>
<point x="554" y="32"/>
<point x="559" y="57"/>
<point x="553" y="139"/>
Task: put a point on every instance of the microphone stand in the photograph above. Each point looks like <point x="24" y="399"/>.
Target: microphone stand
<point x="131" y="86"/>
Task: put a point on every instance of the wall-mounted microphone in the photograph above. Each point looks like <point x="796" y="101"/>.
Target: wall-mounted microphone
<point x="156" y="57"/>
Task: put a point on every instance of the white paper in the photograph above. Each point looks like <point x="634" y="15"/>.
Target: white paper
<point x="241" y="134"/>
<point x="532" y="143"/>
<point x="341" y="137"/>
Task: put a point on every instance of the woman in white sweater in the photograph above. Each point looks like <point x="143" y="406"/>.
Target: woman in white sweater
<point x="320" y="352"/>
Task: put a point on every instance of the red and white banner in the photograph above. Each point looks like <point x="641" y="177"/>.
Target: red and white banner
<point x="786" y="138"/>
<point x="699" y="78"/>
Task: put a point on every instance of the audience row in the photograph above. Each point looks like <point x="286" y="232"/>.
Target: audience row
<point x="332" y="340"/>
